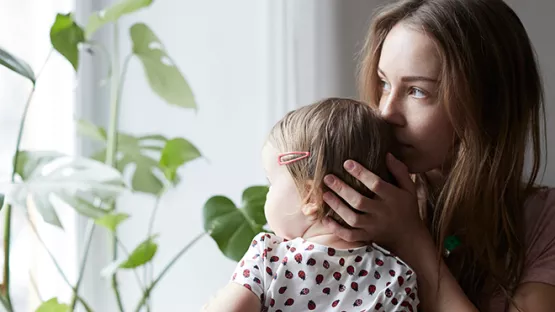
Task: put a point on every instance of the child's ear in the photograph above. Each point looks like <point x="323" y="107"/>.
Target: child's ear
<point x="312" y="204"/>
<point x="309" y="209"/>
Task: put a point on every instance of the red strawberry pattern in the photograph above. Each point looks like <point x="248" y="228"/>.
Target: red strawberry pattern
<point x="299" y="275"/>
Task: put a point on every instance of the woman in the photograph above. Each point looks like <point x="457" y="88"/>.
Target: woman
<point x="459" y="81"/>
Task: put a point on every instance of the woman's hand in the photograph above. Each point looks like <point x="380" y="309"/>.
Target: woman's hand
<point x="390" y="219"/>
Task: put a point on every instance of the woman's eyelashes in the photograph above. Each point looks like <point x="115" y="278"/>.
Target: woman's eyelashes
<point x="415" y="92"/>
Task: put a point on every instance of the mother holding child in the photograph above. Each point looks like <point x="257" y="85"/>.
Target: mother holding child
<point x="425" y="204"/>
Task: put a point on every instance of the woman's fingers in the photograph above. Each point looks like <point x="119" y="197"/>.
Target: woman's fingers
<point x="349" y="235"/>
<point x="401" y="173"/>
<point x="346" y="192"/>
<point x="373" y="182"/>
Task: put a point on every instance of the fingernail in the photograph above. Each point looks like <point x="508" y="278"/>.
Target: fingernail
<point x="349" y="165"/>
<point x="328" y="179"/>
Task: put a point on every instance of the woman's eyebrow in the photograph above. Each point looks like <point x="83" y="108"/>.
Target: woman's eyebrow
<point x="412" y="78"/>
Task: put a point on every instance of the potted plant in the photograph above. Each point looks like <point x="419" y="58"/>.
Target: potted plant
<point x="91" y="185"/>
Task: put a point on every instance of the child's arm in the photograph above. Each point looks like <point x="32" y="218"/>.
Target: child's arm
<point x="234" y="298"/>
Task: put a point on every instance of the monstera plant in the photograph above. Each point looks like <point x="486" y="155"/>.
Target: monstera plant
<point x="43" y="180"/>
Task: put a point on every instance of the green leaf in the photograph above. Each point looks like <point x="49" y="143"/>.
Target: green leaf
<point x="163" y="75"/>
<point x="254" y="199"/>
<point x="176" y="153"/>
<point x="65" y="36"/>
<point x="141" y="255"/>
<point x="2" y="200"/>
<point x="233" y="228"/>
<point x="17" y="65"/>
<point x="111" y="221"/>
<point x="53" y="305"/>
<point x="90" y="130"/>
<point x="136" y="151"/>
<point x="50" y="177"/>
<point x="112" y="14"/>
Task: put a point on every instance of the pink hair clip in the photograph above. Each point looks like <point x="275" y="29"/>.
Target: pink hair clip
<point x="292" y="157"/>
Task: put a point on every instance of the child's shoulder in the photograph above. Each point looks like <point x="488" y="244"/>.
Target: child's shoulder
<point x="264" y="240"/>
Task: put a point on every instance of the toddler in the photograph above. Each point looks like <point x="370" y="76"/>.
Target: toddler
<point x="303" y="266"/>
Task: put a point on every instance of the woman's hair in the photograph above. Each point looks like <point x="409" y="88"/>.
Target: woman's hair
<point x="492" y="91"/>
<point x="332" y="131"/>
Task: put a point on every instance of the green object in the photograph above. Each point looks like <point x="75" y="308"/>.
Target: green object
<point x="162" y="73"/>
<point x="50" y="178"/>
<point x="2" y="197"/>
<point x="52" y="305"/>
<point x="111" y="221"/>
<point x="233" y="228"/>
<point x="132" y="150"/>
<point x="141" y="255"/>
<point x="65" y="36"/>
<point x="112" y="14"/>
<point x="176" y="153"/>
<point x="17" y="65"/>
<point x="451" y="242"/>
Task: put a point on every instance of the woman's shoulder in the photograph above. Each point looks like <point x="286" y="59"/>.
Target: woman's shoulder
<point x="539" y="206"/>
<point x="539" y="229"/>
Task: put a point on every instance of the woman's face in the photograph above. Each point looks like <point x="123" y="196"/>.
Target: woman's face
<point x="409" y="69"/>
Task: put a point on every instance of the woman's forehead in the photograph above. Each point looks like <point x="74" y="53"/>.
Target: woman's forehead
<point x="408" y="52"/>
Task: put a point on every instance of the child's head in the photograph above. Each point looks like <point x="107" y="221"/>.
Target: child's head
<point x="325" y="135"/>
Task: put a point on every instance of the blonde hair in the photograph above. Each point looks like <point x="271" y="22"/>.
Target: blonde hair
<point x="491" y="89"/>
<point x="333" y="130"/>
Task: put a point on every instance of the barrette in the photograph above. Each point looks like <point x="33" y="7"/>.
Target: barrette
<point x="290" y="157"/>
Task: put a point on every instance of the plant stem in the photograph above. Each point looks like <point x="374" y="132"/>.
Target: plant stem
<point x="166" y="269"/>
<point x="84" y="256"/>
<point x="127" y="254"/>
<point x="35" y="286"/>
<point x="8" y="220"/>
<point x="56" y="264"/>
<point x="149" y="268"/>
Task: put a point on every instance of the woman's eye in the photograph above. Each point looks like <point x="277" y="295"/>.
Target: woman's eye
<point x="386" y="86"/>
<point x="417" y="93"/>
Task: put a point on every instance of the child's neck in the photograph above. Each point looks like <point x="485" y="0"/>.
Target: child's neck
<point x="318" y="233"/>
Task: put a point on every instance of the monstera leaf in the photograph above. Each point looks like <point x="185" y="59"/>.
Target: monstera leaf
<point x="232" y="227"/>
<point x="65" y="36"/>
<point x="163" y="75"/>
<point x="17" y="65"/>
<point x="50" y="178"/>
<point x="112" y="14"/>
<point x="141" y="152"/>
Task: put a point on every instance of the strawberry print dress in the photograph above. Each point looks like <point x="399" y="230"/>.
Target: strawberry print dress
<point x="298" y="275"/>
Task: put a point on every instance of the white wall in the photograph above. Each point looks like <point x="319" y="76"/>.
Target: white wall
<point x="248" y="62"/>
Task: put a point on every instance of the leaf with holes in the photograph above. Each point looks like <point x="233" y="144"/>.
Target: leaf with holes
<point x="51" y="178"/>
<point x="112" y="14"/>
<point x="141" y="255"/>
<point x="53" y="305"/>
<point x="137" y="152"/>
<point x="231" y="227"/>
<point x="163" y="75"/>
<point x="176" y="153"/>
<point x="17" y="65"/>
<point x="65" y="36"/>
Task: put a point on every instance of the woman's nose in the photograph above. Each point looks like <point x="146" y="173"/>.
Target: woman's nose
<point x="391" y="109"/>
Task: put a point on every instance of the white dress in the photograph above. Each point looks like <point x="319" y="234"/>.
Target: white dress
<point x="298" y="275"/>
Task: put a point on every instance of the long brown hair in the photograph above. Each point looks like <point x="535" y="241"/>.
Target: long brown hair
<point x="332" y="131"/>
<point x="492" y="92"/>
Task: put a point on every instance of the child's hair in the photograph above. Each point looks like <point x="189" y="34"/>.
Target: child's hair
<point x="333" y="130"/>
